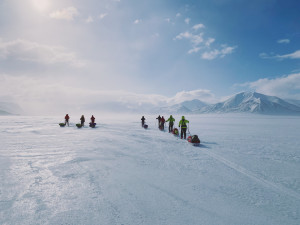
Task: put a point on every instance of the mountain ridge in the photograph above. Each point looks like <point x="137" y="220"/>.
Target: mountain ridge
<point x="252" y="102"/>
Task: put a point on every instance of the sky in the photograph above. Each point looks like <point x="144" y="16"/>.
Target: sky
<point x="59" y="55"/>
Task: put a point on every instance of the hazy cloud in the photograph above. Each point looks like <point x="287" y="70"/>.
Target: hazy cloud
<point x="283" y="41"/>
<point x="41" y="95"/>
<point x="65" y="14"/>
<point x="34" y="52"/>
<point x="198" y="26"/>
<point x="137" y="21"/>
<point x="194" y="50"/>
<point x="284" y="87"/>
<point x="89" y="19"/>
<point x="187" y="20"/>
<point x="218" y="53"/>
<point x="101" y="16"/>
<point x="200" y="94"/>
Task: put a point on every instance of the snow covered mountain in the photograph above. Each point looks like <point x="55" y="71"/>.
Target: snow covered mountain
<point x="9" y="108"/>
<point x="293" y="101"/>
<point x="183" y="107"/>
<point x="252" y="102"/>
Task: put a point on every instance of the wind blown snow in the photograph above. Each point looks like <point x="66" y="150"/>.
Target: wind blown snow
<point x="246" y="171"/>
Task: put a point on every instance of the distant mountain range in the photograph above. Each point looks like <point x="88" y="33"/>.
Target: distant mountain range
<point x="183" y="107"/>
<point x="9" y="108"/>
<point x="244" y="102"/>
<point x="252" y="102"/>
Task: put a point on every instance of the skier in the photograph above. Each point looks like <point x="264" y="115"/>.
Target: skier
<point x="162" y="123"/>
<point x="82" y="120"/>
<point x="182" y="124"/>
<point x="143" y="120"/>
<point x="158" y="118"/>
<point x="171" y="121"/>
<point x="92" y="120"/>
<point x="67" y="119"/>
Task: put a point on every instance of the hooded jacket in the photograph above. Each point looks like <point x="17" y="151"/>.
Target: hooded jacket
<point x="171" y="120"/>
<point x="183" y="122"/>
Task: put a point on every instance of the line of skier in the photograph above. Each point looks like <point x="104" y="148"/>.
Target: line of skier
<point x="82" y="120"/>
<point x="161" y="124"/>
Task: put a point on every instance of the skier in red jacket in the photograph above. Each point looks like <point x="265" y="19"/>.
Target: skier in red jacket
<point x="67" y="119"/>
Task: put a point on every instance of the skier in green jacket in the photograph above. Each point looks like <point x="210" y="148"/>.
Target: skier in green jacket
<point x="182" y="124"/>
<point x="171" y="123"/>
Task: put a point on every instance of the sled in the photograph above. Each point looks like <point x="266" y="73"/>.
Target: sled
<point x="79" y="125"/>
<point x="175" y="132"/>
<point x="194" y="140"/>
<point x="62" y="124"/>
<point x="145" y="126"/>
<point x="92" y="125"/>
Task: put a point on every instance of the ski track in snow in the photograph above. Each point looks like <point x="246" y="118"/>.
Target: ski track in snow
<point x="246" y="171"/>
<point x="255" y="177"/>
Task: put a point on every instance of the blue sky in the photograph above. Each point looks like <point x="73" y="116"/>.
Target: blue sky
<point x="147" y="50"/>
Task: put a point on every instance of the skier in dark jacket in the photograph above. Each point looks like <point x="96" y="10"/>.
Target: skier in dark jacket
<point x="162" y="123"/>
<point x="82" y="120"/>
<point x="67" y="119"/>
<point x="158" y="118"/>
<point x="182" y="124"/>
<point x="143" y="120"/>
<point x="171" y="121"/>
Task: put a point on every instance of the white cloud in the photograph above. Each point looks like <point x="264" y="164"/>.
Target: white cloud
<point x="89" y="19"/>
<point x="137" y="21"/>
<point x="209" y="55"/>
<point x="194" y="38"/>
<point x="200" y="94"/>
<point x="187" y="20"/>
<point x="294" y="55"/>
<point x="283" y="41"/>
<point x="194" y="50"/>
<point x="284" y="87"/>
<point x="178" y="15"/>
<point x="65" y="14"/>
<point x="198" y="26"/>
<point x="101" y="16"/>
<point x="168" y="20"/>
<point x="199" y="42"/>
<point x="34" y="52"/>
<point x="209" y="41"/>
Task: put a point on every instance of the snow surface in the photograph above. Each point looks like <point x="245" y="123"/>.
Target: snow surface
<point x="246" y="171"/>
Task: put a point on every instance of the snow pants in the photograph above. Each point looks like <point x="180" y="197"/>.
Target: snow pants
<point x="183" y="132"/>
<point x="170" y="127"/>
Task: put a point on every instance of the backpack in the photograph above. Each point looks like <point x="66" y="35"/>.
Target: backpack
<point x="195" y="139"/>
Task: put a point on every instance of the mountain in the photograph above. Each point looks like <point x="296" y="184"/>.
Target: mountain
<point x="252" y="102"/>
<point x="193" y="104"/>
<point x="9" y="108"/>
<point x="183" y="107"/>
<point x="293" y="101"/>
<point x="3" y="113"/>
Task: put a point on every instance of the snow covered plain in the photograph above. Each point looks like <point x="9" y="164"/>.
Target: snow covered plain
<point x="246" y="171"/>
